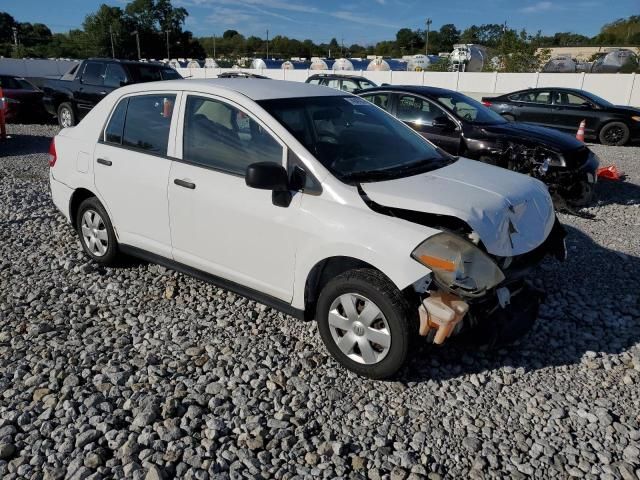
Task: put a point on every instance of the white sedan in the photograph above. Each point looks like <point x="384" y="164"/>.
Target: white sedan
<point x="312" y="201"/>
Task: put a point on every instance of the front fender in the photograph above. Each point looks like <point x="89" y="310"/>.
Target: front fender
<point x="338" y="230"/>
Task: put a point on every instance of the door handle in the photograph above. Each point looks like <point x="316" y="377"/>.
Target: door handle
<point x="184" y="183"/>
<point x="103" y="93"/>
<point x="102" y="161"/>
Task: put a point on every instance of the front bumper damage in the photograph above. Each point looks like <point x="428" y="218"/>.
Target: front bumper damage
<point x="503" y="314"/>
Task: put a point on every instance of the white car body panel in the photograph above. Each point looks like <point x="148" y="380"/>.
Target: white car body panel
<point x="512" y="213"/>
<point x="227" y="229"/>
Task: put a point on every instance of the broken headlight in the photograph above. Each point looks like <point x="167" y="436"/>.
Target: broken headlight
<point x="458" y="264"/>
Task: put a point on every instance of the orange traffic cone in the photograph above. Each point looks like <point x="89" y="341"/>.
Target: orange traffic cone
<point x="580" y="134"/>
<point x="3" y="128"/>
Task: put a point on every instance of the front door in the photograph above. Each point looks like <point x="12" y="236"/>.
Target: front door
<point x="218" y="224"/>
<point x="569" y="109"/>
<point x="131" y="170"/>
<point x="431" y="121"/>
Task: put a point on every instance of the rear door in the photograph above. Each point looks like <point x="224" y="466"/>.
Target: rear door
<point x="131" y="169"/>
<point x="534" y="107"/>
<point x="430" y="120"/>
<point x="91" y="88"/>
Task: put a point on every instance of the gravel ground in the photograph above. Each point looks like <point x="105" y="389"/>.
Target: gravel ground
<point x="140" y="372"/>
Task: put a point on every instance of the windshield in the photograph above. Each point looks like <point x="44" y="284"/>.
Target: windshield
<point x="596" y="99"/>
<point x="466" y="108"/>
<point x="354" y="139"/>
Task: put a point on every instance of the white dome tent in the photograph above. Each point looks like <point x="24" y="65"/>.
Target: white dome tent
<point x="258" y="63"/>
<point x="342" y="64"/>
<point x="378" y="65"/>
<point x="210" y="63"/>
<point x="287" y="65"/>
<point x="193" y="64"/>
<point x="318" y="64"/>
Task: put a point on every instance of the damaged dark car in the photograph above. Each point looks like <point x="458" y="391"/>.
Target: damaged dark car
<point x="462" y="126"/>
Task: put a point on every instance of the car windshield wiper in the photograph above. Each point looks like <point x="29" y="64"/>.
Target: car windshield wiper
<point x="420" y="166"/>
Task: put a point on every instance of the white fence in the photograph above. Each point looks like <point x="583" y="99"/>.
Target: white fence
<point x="619" y="89"/>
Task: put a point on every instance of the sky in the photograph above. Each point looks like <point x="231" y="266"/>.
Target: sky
<point x="355" y="21"/>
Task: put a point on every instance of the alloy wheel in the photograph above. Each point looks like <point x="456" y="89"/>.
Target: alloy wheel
<point x="614" y="134"/>
<point x="359" y="328"/>
<point x="94" y="233"/>
<point x="65" y="118"/>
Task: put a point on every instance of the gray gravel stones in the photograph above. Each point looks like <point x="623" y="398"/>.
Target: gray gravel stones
<point x="139" y="372"/>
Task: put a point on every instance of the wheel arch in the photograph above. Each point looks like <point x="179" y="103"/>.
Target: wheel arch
<point x="322" y="272"/>
<point x="77" y="197"/>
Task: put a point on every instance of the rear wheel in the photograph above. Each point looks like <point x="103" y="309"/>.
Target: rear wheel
<point x="508" y="117"/>
<point x="365" y="323"/>
<point x="66" y="117"/>
<point x="614" y="133"/>
<point x="96" y="233"/>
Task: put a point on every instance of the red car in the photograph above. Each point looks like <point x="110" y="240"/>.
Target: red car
<point x="22" y="99"/>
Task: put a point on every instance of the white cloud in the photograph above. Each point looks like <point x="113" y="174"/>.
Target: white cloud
<point x="541" y="7"/>
<point x="357" y="18"/>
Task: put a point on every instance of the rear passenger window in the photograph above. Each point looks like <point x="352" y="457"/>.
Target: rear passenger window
<point x="113" y="132"/>
<point x="147" y="123"/>
<point x="222" y="137"/>
<point x="379" y="99"/>
<point x="94" y="73"/>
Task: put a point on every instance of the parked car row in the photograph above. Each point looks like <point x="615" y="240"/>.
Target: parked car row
<point x="313" y="201"/>
<point x="462" y="126"/>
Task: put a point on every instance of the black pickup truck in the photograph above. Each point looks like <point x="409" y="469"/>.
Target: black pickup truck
<point x="72" y="96"/>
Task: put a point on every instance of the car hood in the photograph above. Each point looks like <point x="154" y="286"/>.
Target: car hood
<point x="548" y="137"/>
<point x="624" y="110"/>
<point x="512" y="213"/>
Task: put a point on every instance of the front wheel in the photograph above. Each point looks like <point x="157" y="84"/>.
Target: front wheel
<point x="366" y="323"/>
<point x="615" y="134"/>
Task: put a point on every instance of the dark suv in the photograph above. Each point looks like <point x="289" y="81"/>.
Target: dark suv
<point x="79" y="90"/>
<point x="347" y="83"/>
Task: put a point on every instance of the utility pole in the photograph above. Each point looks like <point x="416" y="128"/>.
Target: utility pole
<point x="342" y="47"/>
<point x="113" y="51"/>
<point x="428" y="23"/>
<point x="214" y="46"/>
<point x="267" y="44"/>
<point x="15" y="40"/>
<point x="135" y="32"/>
<point x="168" y="56"/>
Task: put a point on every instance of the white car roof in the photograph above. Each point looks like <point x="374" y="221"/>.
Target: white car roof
<point x="253" y="88"/>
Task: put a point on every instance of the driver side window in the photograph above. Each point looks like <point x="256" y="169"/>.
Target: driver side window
<point x="222" y="137"/>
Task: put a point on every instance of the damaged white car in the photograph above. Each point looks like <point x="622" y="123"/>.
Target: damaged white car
<point x="312" y="201"/>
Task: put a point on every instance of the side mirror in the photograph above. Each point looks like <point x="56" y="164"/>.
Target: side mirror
<point x="270" y="176"/>
<point x="267" y="176"/>
<point x="586" y="105"/>
<point x="442" y="123"/>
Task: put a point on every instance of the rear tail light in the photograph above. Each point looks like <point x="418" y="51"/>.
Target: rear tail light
<point x="486" y="103"/>
<point x="52" y="153"/>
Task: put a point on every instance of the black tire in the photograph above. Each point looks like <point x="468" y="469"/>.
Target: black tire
<point x="111" y="253"/>
<point x="614" y="134"/>
<point x="508" y="117"/>
<point x="66" y="115"/>
<point x="402" y="321"/>
<point x="581" y="194"/>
